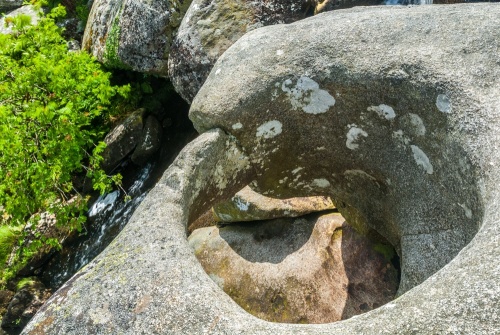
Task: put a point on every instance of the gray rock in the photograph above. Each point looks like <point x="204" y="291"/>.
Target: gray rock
<point x="210" y="27"/>
<point x="150" y="141"/>
<point x="24" y="304"/>
<point x="8" y="5"/>
<point x="303" y="270"/>
<point x="122" y="140"/>
<point x="397" y="122"/>
<point x="247" y="205"/>
<point x="321" y="6"/>
<point x="430" y="192"/>
<point x="25" y="10"/>
<point x="133" y="34"/>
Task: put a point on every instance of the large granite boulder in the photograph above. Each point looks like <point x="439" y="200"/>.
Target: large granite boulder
<point x="133" y="34"/>
<point x="406" y="96"/>
<point x="312" y="269"/>
<point x="210" y="27"/>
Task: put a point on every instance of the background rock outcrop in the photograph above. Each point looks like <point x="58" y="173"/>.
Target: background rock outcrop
<point x="133" y="34"/>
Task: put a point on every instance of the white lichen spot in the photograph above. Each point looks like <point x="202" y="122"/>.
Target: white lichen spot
<point x="383" y="111"/>
<point x="279" y="52"/>
<point x="269" y="129"/>
<point x="321" y="183"/>
<point x="467" y="210"/>
<point x="237" y="126"/>
<point x="217" y="72"/>
<point x="353" y="135"/>
<point x="422" y="159"/>
<point x="417" y="124"/>
<point x="307" y="95"/>
<point x="320" y="148"/>
<point x="443" y="103"/>
<point x="242" y="205"/>
<point x="295" y="171"/>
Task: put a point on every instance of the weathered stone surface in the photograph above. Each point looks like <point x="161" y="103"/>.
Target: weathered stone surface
<point x="383" y="115"/>
<point x="247" y="205"/>
<point x="122" y="140"/>
<point x="8" y="5"/>
<point x="133" y="34"/>
<point x="149" y="281"/>
<point x="25" y="304"/>
<point x="25" y="10"/>
<point x="313" y="269"/>
<point x="150" y="141"/>
<point x="210" y="27"/>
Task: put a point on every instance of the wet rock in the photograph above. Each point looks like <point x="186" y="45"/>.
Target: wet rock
<point x="122" y="140"/>
<point x="248" y="205"/>
<point x="313" y="269"/>
<point x="133" y="34"/>
<point x="25" y="304"/>
<point x="149" y="142"/>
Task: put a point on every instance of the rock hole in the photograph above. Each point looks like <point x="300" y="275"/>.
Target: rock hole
<point x="314" y="268"/>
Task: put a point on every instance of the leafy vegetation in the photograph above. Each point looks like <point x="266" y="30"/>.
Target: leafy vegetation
<point x="55" y="107"/>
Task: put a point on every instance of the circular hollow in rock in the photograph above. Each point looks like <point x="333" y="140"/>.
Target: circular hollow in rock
<point x="311" y="269"/>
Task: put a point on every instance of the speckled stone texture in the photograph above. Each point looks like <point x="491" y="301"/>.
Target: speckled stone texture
<point x="133" y="34"/>
<point x="210" y="27"/>
<point x="394" y="112"/>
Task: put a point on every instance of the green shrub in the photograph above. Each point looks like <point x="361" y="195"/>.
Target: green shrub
<point x="54" y="108"/>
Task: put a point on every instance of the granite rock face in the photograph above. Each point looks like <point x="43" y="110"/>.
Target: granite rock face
<point x="133" y="34"/>
<point x="312" y="269"/>
<point x="210" y="27"/>
<point x="406" y="96"/>
<point x="397" y="122"/>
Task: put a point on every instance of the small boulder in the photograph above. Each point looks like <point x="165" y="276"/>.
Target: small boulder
<point x="122" y="140"/>
<point x="314" y="269"/>
<point x="149" y="142"/>
<point x="248" y="205"/>
<point x="5" y="298"/>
